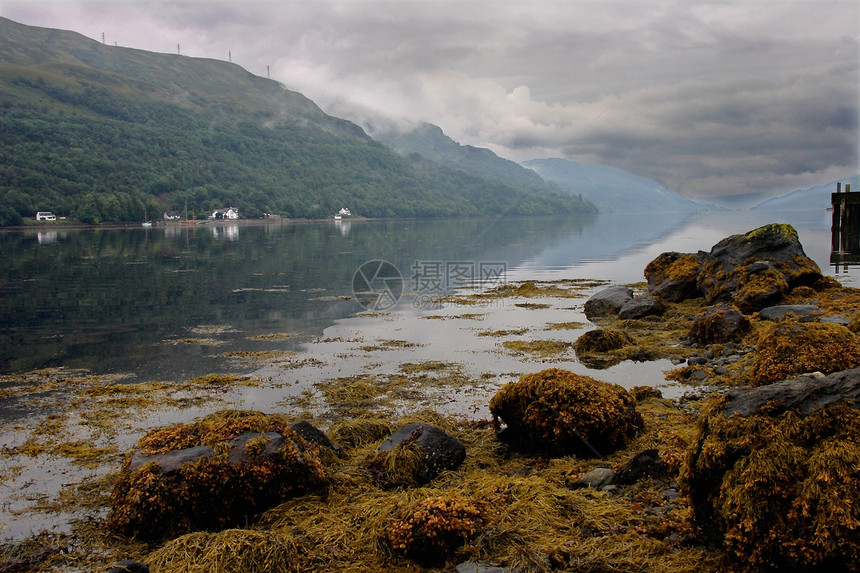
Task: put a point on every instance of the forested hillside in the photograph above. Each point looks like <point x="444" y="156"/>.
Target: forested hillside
<point x="101" y="133"/>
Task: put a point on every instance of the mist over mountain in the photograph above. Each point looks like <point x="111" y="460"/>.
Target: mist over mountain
<point x="612" y="189"/>
<point x="814" y="198"/>
<point x="103" y="133"/>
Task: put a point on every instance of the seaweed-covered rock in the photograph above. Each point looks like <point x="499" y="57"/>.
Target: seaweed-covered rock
<point x="415" y="454"/>
<point x="591" y="347"/>
<point x="751" y="270"/>
<point x="719" y="323"/>
<point x="559" y="413"/>
<point x="435" y="528"/>
<point x="607" y="302"/>
<point x="642" y="306"/>
<point x="789" y="348"/>
<point x="128" y="566"/>
<point x="674" y="276"/>
<point x="774" y="475"/>
<point x="220" y="471"/>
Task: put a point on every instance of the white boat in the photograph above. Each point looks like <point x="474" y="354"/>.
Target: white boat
<point x="147" y="223"/>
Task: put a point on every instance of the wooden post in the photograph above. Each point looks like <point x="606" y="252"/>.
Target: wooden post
<point x="845" y="226"/>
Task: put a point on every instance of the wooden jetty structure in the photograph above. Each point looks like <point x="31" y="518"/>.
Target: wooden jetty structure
<point x="845" y="228"/>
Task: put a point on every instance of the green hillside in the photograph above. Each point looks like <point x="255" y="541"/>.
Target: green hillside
<point x="101" y="133"/>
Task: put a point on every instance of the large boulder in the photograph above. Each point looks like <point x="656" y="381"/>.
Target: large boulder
<point x="751" y="270"/>
<point x="414" y="455"/>
<point x="774" y="475"/>
<point x="220" y="471"/>
<point x="557" y="412"/>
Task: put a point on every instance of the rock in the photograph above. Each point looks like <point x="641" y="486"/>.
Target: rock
<point x="752" y="270"/>
<point x="779" y="312"/>
<point x="597" y="478"/>
<point x="802" y="394"/>
<point x="314" y="435"/>
<point x="787" y="348"/>
<point x="591" y="347"/>
<point x="673" y="276"/>
<point x="415" y="454"/>
<point x="642" y="306"/>
<point x="774" y="474"/>
<point x="836" y="319"/>
<point x="560" y="413"/>
<point x="128" y="566"/>
<point x="644" y="464"/>
<point x="607" y="302"/>
<point x="717" y="324"/>
<point x="220" y="471"/>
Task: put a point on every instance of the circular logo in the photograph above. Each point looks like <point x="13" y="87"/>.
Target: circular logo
<point x="377" y="285"/>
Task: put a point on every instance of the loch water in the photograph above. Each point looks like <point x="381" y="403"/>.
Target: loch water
<point x="170" y="302"/>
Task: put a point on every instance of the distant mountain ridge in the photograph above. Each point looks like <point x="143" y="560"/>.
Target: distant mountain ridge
<point x="104" y="133"/>
<point x="612" y="189"/>
<point x="817" y="197"/>
<point x="430" y="142"/>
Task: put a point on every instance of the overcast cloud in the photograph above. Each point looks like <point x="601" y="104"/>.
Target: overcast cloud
<point x="708" y="98"/>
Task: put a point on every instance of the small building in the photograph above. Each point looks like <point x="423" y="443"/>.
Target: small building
<point x="45" y="216"/>
<point x="230" y="213"/>
<point x="172" y="216"/>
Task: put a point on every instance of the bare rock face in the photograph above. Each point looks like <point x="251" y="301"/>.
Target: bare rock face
<point x="218" y="472"/>
<point x="752" y="270"/>
<point x="774" y="475"/>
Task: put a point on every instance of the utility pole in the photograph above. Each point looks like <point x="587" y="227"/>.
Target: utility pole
<point x="267" y="73"/>
<point x="103" y="37"/>
<point x="229" y="56"/>
<point x="177" y="50"/>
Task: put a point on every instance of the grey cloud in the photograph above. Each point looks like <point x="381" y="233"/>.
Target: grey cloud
<point x="704" y="96"/>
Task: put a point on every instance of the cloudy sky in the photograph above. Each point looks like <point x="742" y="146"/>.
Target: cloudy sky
<point x="709" y="98"/>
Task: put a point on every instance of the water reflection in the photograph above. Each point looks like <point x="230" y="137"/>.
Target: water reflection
<point x="135" y="299"/>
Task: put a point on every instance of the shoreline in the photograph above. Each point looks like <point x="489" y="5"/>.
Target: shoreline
<point x="88" y="424"/>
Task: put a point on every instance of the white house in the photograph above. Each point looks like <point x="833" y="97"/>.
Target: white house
<point x="45" y="216"/>
<point x="230" y="213"/>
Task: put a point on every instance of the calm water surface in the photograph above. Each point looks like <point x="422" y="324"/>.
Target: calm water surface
<point x="168" y="303"/>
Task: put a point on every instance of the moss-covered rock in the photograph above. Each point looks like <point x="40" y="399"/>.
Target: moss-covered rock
<point x="788" y="348"/>
<point x="560" y="413"/>
<point x="218" y="472"/>
<point x="774" y="475"/>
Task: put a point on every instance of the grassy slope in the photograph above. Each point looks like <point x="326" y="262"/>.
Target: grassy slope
<point x="102" y="133"/>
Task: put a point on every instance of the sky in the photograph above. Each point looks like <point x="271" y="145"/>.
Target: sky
<point x="709" y="98"/>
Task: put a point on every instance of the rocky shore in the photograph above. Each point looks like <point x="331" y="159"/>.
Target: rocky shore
<point x="755" y="468"/>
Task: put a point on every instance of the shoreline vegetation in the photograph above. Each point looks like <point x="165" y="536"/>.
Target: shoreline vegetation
<point x="505" y="507"/>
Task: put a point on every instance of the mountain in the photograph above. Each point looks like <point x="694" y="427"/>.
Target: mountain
<point x="814" y="198"/>
<point x="430" y="142"/>
<point x="104" y="133"/>
<point x="612" y="189"/>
